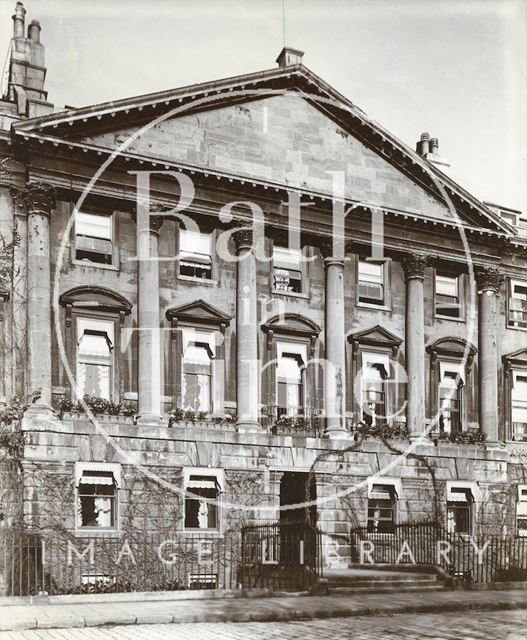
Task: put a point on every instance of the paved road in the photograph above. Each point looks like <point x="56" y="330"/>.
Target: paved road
<point x="496" y="625"/>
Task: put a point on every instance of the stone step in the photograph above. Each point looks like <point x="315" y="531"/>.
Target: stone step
<point x="344" y="591"/>
<point x="343" y="577"/>
<point x="380" y="584"/>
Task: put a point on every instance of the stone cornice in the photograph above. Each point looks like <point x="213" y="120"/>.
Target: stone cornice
<point x="489" y="279"/>
<point x="414" y="265"/>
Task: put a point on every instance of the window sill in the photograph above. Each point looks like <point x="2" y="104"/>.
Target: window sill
<point x="195" y="280"/>
<point x="368" y="305"/>
<point x="210" y="533"/>
<point x="437" y="316"/>
<point x="290" y="294"/>
<point x="95" y="533"/>
<point x="516" y="328"/>
<point x="95" y="265"/>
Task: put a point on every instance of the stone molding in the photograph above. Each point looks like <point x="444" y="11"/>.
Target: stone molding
<point x="489" y="279"/>
<point x="414" y="265"/>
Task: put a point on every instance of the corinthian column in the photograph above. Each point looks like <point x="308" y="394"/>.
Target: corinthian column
<point x="247" y="365"/>
<point x="414" y="268"/>
<point x="489" y="281"/>
<point x="335" y="366"/>
<point x="149" y="339"/>
<point x="39" y="200"/>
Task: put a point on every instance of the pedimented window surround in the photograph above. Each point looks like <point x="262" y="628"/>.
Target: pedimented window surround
<point x="94" y="303"/>
<point x="301" y="333"/>
<point x="205" y="319"/>
<point x="373" y="341"/>
<point x="514" y="365"/>
<point x="455" y="355"/>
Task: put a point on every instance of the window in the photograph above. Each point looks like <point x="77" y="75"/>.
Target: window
<point x="97" y="496"/>
<point x="451" y="382"/>
<point x="195" y="254"/>
<point x="290" y="372"/>
<point x="287" y="269"/>
<point x="519" y="405"/>
<point x="459" y="510"/>
<point x="94" y="241"/>
<point x="521" y="511"/>
<point x="447" y="295"/>
<point x="198" y="354"/>
<point x="374" y="373"/>
<point x="95" y="340"/>
<point x="371" y="286"/>
<point x="382" y="503"/>
<point x="202" y="495"/>
<point x="517" y="304"/>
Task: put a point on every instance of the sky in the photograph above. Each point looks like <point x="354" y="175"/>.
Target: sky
<point x="454" y="68"/>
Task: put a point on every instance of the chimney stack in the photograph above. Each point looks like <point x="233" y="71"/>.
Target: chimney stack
<point x="289" y="57"/>
<point x="27" y="71"/>
<point x="428" y="148"/>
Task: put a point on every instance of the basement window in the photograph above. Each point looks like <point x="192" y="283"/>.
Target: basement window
<point x="94" y="237"/>
<point x="382" y="506"/>
<point x="202" y="494"/>
<point x="521" y="511"/>
<point x="97" y="500"/>
<point x="460" y="504"/>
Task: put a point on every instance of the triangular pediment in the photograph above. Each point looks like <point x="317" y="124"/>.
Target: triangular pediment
<point x="282" y="127"/>
<point x="199" y="312"/>
<point x="518" y="357"/>
<point x="375" y="336"/>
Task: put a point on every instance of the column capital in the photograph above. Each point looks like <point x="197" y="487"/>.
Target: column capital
<point x="38" y="197"/>
<point x="17" y="194"/>
<point x="489" y="279"/>
<point x="414" y="265"/>
<point x="333" y="262"/>
<point x="243" y="238"/>
<point x="156" y="223"/>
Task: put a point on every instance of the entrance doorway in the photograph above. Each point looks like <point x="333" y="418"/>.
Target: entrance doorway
<point x="297" y="488"/>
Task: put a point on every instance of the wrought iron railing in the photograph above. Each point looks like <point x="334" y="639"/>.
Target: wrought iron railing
<point x="471" y="558"/>
<point x="281" y="556"/>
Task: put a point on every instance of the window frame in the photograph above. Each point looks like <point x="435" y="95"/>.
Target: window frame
<point x="219" y="475"/>
<point x="214" y="270"/>
<point x="461" y="283"/>
<point x="510" y="284"/>
<point x="386" y="272"/>
<point x="521" y="510"/>
<point x="391" y="486"/>
<point x="209" y="336"/>
<point x="95" y="319"/>
<point x="99" y="211"/>
<point x="306" y="256"/>
<point x="455" y="488"/>
<point x="295" y="345"/>
<point x="82" y="468"/>
<point x="376" y="357"/>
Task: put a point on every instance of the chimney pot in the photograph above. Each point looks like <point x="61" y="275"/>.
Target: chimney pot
<point x="19" y="20"/>
<point x="33" y="31"/>
<point x="434" y="145"/>
<point x="422" y="146"/>
<point x="289" y="56"/>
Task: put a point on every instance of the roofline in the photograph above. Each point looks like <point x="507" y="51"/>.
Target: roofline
<point x="139" y="102"/>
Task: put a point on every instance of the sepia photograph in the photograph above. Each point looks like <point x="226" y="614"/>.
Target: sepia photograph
<point x="263" y="319"/>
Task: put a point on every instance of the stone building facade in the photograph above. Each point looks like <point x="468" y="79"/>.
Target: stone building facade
<point x="179" y="261"/>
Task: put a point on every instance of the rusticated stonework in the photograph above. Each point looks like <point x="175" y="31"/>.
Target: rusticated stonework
<point x="489" y="279"/>
<point x="414" y="265"/>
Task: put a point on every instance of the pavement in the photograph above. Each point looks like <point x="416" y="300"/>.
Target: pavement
<point x="405" y="626"/>
<point x="270" y="609"/>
